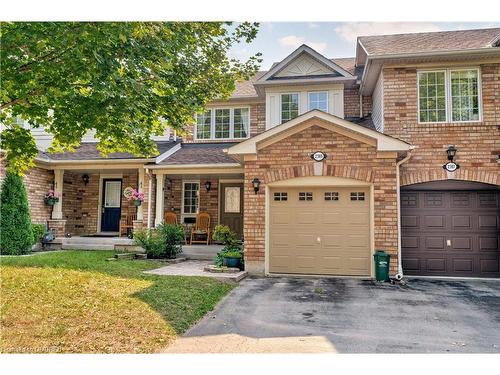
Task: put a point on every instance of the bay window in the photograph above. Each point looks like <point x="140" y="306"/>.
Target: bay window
<point x="450" y="95"/>
<point x="289" y="107"/>
<point x="223" y="123"/>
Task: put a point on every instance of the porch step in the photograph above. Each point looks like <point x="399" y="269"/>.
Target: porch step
<point x="96" y="243"/>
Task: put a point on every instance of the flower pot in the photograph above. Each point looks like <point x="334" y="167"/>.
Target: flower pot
<point x="50" y="201"/>
<point x="137" y="203"/>
<point x="232" y="262"/>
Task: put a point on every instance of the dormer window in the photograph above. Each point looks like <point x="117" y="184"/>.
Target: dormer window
<point x="223" y="123"/>
<point x="318" y="100"/>
<point x="289" y="107"/>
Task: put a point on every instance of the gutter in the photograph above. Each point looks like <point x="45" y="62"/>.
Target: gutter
<point x="400" y="275"/>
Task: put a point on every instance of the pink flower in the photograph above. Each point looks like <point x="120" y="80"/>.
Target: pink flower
<point x="136" y="196"/>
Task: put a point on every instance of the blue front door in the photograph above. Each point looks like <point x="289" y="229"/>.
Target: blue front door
<point x="111" y="205"/>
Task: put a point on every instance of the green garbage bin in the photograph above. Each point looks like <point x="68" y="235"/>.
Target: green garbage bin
<point x="382" y="261"/>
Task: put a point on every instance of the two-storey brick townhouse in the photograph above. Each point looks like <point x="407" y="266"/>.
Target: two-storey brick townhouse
<point x="317" y="163"/>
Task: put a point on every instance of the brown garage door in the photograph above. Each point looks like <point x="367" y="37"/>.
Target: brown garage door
<point x="450" y="232"/>
<point x="322" y="231"/>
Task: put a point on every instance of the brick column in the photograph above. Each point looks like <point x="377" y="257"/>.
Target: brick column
<point x="58" y="226"/>
<point x="137" y="225"/>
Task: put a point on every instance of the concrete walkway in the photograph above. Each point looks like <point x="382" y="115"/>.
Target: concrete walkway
<point x="195" y="268"/>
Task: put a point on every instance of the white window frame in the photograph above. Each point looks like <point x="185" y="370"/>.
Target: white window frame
<point x="318" y="92"/>
<point x="189" y="214"/>
<point x="448" y="100"/>
<point x="231" y="124"/>
<point x="281" y="102"/>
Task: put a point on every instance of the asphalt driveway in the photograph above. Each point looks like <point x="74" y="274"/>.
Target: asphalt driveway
<point x="351" y="316"/>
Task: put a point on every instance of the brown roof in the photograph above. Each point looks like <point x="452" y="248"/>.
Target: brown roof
<point x="89" y="151"/>
<point x="200" y="153"/>
<point x="245" y="88"/>
<point x="346" y="63"/>
<point x="428" y="42"/>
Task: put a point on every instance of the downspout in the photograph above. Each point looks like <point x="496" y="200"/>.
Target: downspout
<point x="150" y="186"/>
<point x="399" y="275"/>
<point x="360" y="105"/>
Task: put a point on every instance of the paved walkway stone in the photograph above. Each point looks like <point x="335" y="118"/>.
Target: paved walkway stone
<point x="196" y="268"/>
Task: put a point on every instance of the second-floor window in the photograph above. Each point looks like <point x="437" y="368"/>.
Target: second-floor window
<point x="318" y="100"/>
<point x="223" y="123"/>
<point x="451" y="95"/>
<point x="289" y="107"/>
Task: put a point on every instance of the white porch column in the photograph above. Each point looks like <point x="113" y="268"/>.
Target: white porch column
<point x="140" y="188"/>
<point x="160" y="198"/>
<point x="58" y="188"/>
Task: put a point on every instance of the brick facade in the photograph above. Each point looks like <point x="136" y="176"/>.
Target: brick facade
<point x="351" y="103"/>
<point x="478" y="144"/>
<point x="348" y="158"/>
<point x="37" y="182"/>
<point x="81" y="202"/>
<point x="209" y="201"/>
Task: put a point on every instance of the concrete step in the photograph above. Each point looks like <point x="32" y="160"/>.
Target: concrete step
<point x="71" y="246"/>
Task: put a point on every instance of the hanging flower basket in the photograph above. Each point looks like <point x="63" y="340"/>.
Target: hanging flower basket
<point x="51" y="197"/>
<point x="136" y="197"/>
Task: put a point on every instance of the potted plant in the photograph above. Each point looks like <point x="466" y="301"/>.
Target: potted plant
<point x="136" y="197"/>
<point x="51" y="197"/>
<point x="231" y="254"/>
<point x="232" y="258"/>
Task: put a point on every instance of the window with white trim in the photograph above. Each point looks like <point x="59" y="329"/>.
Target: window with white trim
<point x="318" y="100"/>
<point x="190" y="198"/>
<point x="204" y="125"/>
<point x="450" y="95"/>
<point x="289" y="107"/>
<point x="223" y="123"/>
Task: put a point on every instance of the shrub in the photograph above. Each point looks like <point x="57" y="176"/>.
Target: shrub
<point x="224" y="234"/>
<point x="233" y="254"/>
<point x="16" y="233"/>
<point x="151" y="241"/>
<point x="38" y="232"/>
<point x="165" y="241"/>
<point x="173" y="236"/>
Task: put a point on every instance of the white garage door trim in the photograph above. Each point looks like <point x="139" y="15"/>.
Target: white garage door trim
<point x="316" y="181"/>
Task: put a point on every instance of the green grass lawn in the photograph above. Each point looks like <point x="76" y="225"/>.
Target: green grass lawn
<point x="76" y="301"/>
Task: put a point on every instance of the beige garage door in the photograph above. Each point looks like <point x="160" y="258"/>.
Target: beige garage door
<point x="323" y="231"/>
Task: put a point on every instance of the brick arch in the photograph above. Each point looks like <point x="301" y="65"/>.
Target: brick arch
<point x="409" y="178"/>
<point x="307" y="170"/>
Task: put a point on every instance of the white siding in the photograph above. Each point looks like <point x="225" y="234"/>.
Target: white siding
<point x="273" y="100"/>
<point x="378" y="104"/>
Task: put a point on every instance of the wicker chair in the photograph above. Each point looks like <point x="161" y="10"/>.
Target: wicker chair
<point x="171" y="219"/>
<point x="201" y="227"/>
<point x="127" y="223"/>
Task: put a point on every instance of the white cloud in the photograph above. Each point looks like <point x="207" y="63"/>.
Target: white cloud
<point x="350" y="31"/>
<point x="292" y="41"/>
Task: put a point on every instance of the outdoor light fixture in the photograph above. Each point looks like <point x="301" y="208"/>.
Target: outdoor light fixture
<point x="85" y="179"/>
<point x="451" y="152"/>
<point x="256" y="184"/>
<point x="208" y="186"/>
<point x="451" y="166"/>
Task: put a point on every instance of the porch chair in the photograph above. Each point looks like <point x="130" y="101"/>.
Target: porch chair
<point x="127" y="223"/>
<point x="171" y="219"/>
<point x="201" y="227"/>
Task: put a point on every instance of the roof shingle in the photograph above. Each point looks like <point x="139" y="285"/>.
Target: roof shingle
<point x="440" y="41"/>
<point x="89" y="151"/>
<point x="200" y="153"/>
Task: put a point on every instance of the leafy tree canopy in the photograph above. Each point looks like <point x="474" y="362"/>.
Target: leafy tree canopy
<point x="117" y="78"/>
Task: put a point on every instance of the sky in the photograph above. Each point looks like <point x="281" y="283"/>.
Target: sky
<point x="276" y="40"/>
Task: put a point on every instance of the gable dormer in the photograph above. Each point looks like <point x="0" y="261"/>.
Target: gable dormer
<point x="303" y="81"/>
